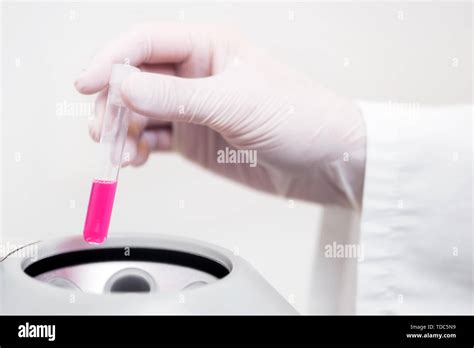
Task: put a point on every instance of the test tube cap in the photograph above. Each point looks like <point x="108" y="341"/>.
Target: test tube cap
<point x="120" y="72"/>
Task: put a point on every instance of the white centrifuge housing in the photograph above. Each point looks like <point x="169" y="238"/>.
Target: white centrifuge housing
<point x="140" y="275"/>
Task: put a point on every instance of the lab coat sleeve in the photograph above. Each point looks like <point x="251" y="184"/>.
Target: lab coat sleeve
<point x="416" y="224"/>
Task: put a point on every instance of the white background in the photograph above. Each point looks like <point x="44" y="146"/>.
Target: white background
<point x="404" y="52"/>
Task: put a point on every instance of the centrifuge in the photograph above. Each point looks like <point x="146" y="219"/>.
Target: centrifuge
<point x="143" y="274"/>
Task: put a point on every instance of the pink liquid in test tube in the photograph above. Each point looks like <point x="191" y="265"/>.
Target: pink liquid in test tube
<point x="101" y="202"/>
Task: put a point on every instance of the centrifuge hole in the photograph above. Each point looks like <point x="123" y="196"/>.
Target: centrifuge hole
<point x="130" y="283"/>
<point x="130" y="280"/>
<point x="63" y="283"/>
<point x="194" y="285"/>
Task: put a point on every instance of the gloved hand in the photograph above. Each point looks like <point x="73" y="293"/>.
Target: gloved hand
<point x="204" y="90"/>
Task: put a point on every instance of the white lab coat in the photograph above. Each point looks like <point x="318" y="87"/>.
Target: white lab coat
<point x="415" y="230"/>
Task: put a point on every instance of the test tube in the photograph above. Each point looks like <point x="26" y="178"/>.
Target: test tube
<point x="111" y="144"/>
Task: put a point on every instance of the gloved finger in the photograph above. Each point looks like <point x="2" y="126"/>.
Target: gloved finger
<point x="204" y="101"/>
<point x="95" y="125"/>
<point x="165" y="69"/>
<point x="152" y="140"/>
<point x="146" y="44"/>
<point x="137" y="124"/>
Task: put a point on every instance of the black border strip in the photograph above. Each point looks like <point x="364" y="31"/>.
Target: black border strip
<point x="272" y="331"/>
<point x="172" y="257"/>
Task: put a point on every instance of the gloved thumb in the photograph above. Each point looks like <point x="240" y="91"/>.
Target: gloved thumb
<point x="176" y="99"/>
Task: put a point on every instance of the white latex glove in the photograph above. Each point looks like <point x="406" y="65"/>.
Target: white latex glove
<point x="205" y="89"/>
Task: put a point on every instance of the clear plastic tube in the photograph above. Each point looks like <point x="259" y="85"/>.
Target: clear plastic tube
<point x="111" y="144"/>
